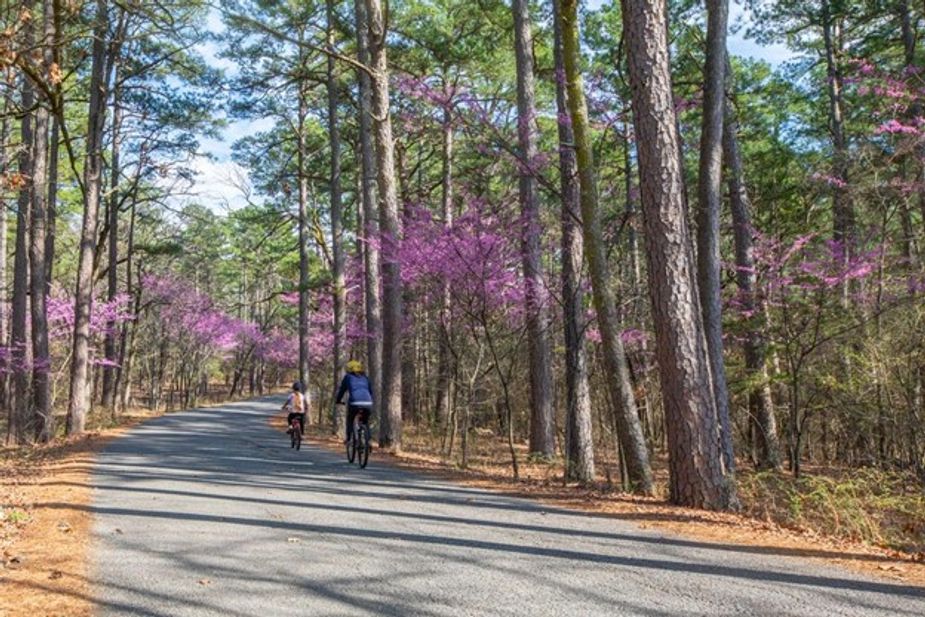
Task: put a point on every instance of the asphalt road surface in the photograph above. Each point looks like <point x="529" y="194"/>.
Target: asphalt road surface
<point x="209" y="512"/>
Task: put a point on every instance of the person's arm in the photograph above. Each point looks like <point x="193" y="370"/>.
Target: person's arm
<point x="340" y="393"/>
<point x="287" y="404"/>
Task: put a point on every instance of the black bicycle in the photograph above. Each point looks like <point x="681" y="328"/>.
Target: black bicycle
<point x="358" y="443"/>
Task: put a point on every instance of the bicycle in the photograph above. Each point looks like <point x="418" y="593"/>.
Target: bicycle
<point x="358" y="442"/>
<point x="295" y="433"/>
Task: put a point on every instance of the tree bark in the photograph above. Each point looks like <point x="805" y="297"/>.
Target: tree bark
<point x="337" y="216"/>
<point x="51" y="216"/>
<point x="43" y="419"/>
<point x="373" y="300"/>
<point x="760" y="399"/>
<point x="126" y="346"/>
<point x="111" y="344"/>
<point x="80" y="357"/>
<point x="579" y="444"/>
<point x="304" y="307"/>
<point x="18" y="427"/>
<point x="843" y="211"/>
<point x="708" y="215"/>
<point x="697" y="477"/>
<point x="445" y="356"/>
<point x="542" y="439"/>
<point x="390" y="423"/>
<point x="632" y="441"/>
<point x="5" y="132"/>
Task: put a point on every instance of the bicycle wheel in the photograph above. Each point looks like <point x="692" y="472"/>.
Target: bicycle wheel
<point x="294" y="438"/>
<point x="363" y="446"/>
<point x="351" y="447"/>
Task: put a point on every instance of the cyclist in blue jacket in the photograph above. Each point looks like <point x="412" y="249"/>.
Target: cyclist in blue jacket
<point x="356" y="383"/>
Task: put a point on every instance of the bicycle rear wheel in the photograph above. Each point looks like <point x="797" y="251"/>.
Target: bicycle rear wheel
<point x="363" y="448"/>
<point x="351" y="447"/>
<point x="295" y="438"/>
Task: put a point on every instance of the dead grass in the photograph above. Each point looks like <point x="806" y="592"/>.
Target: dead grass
<point x="43" y="549"/>
<point x="762" y="527"/>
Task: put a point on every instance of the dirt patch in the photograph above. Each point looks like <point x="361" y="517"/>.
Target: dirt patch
<point x="543" y="482"/>
<point x="43" y="549"/>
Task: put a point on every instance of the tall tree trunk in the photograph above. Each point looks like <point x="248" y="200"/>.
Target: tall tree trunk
<point x="18" y="427"/>
<point x="304" y="308"/>
<point x="390" y="423"/>
<point x="708" y="214"/>
<point x="80" y="357"/>
<point x="445" y="356"/>
<point x="632" y="441"/>
<point x="373" y="299"/>
<point x="579" y="444"/>
<point x="697" y="476"/>
<point x="760" y="399"/>
<point x="51" y="215"/>
<point x="123" y="380"/>
<point x="43" y="420"/>
<point x="542" y="438"/>
<point x="111" y="344"/>
<point x="337" y="215"/>
<point x="909" y="38"/>
<point x="843" y="211"/>
<point x="5" y="132"/>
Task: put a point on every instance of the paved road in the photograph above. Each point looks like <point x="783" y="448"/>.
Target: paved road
<point x="209" y="512"/>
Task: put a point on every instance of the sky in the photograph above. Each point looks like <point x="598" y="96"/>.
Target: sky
<point x="219" y="179"/>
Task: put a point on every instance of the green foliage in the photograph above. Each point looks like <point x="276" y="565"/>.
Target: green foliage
<point x="883" y="508"/>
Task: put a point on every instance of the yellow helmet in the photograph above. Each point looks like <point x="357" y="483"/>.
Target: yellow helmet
<point x="354" y="366"/>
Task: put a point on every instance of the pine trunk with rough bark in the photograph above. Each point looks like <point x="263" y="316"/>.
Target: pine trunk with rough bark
<point x="390" y="226"/>
<point x="5" y="132"/>
<point x="542" y="421"/>
<point x="337" y="216"/>
<point x="697" y="475"/>
<point x="579" y="443"/>
<point x="843" y="211"/>
<point x="110" y="345"/>
<point x="80" y="356"/>
<point x="43" y="428"/>
<point x="127" y="339"/>
<point x="18" y="427"/>
<point x="304" y="309"/>
<point x="709" y="192"/>
<point x="51" y="217"/>
<point x="760" y="399"/>
<point x="632" y="441"/>
<point x="372" y="296"/>
<point x="445" y="356"/>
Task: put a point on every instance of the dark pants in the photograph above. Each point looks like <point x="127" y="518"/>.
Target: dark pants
<point x="352" y="414"/>
<point x="300" y="416"/>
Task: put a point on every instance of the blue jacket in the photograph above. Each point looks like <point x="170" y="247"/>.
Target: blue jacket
<point x="358" y="386"/>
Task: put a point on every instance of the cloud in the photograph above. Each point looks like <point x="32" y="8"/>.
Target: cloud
<point x="220" y="185"/>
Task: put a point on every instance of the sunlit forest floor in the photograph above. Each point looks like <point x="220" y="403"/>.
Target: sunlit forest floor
<point x="868" y="520"/>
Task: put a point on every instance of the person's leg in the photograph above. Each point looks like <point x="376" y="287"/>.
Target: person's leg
<point x="289" y="421"/>
<point x="364" y="418"/>
<point x="302" y="423"/>
<point x="351" y="415"/>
